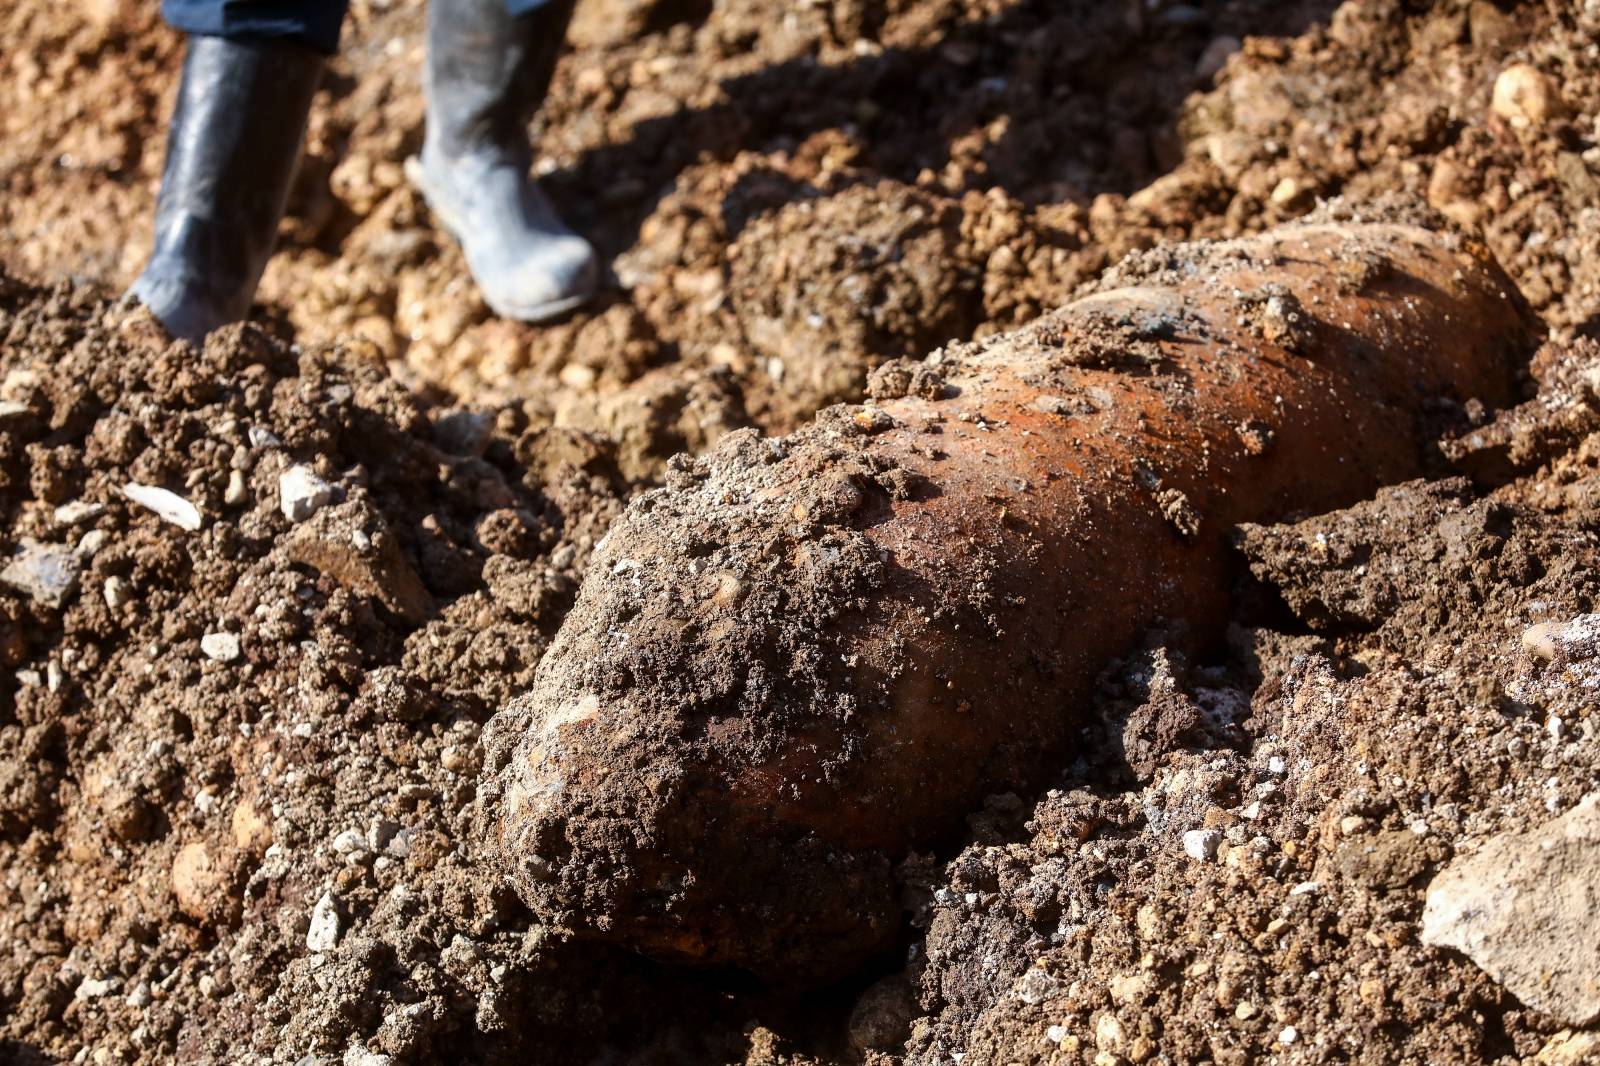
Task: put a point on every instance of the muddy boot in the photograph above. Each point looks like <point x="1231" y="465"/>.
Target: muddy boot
<point x="487" y="73"/>
<point x="234" y="142"/>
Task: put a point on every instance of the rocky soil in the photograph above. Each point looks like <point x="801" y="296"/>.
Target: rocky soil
<point x="257" y="600"/>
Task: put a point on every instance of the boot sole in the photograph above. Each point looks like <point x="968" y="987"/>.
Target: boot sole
<point x="534" y="313"/>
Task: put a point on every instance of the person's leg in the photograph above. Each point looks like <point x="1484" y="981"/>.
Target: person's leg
<point x="489" y="65"/>
<point x="315" y="24"/>
<point x="248" y="80"/>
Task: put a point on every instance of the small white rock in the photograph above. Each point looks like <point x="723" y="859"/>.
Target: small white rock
<point x="302" y="492"/>
<point x="323" y="932"/>
<point x="1202" y="844"/>
<point x="96" y="987"/>
<point x="348" y="841"/>
<point x="263" y="438"/>
<point x="168" y="506"/>
<point x="70" y="514"/>
<point x="235" y="493"/>
<point x="117" y="592"/>
<point x="1289" y="1035"/>
<point x="1525" y="97"/>
<point x="220" y="647"/>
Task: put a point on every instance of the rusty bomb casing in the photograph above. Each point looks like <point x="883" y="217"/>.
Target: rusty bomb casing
<point x="804" y="657"/>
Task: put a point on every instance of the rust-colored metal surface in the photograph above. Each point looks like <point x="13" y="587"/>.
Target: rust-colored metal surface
<point x="802" y="659"/>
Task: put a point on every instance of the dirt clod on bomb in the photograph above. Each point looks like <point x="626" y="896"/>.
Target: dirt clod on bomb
<point x="803" y="657"/>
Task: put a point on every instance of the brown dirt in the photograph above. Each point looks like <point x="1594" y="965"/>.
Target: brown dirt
<point x="788" y="195"/>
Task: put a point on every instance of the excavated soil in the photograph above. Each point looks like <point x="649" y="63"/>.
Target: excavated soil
<point x="239" y="745"/>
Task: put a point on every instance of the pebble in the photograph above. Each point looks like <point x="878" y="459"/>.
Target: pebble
<point x="1568" y="1048"/>
<point x="399" y="844"/>
<point x="323" y="932"/>
<point x="360" y="1056"/>
<point x="1289" y="1035"/>
<point x="236" y="493"/>
<point x="168" y="506"/>
<point x="1109" y="1033"/>
<point x="1202" y="844"/>
<point x="302" y="492"/>
<point x="1575" y="640"/>
<point x="1523" y="908"/>
<point x="70" y="514"/>
<point x="1287" y="192"/>
<point x="1524" y="97"/>
<point x="220" y="647"/>
<point x="117" y="592"/>
<point x="97" y="987"/>
<point x="46" y="573"/>
<point x="348" y="841"/>
<point x="199" y="881"/>
<point x="379" y="832"/>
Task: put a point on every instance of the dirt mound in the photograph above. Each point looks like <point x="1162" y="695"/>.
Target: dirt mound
<point x="1407" y="722"/>
<point x="241" y="716"/>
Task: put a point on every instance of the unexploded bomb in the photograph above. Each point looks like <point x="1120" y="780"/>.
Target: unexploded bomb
<point x="802" y="657"/>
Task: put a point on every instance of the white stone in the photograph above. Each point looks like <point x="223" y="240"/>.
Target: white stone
<point x="96" y="987"/>
<point x="302" y="492"/>
<point x="70" y="514"/>
<point x="168" y="506"/>
<point x="360" y="1056"/>
<point x="1525" y="97"/>
<point x="117" y="592"/>
<point x="220" y="647"/>
<point x="1523" y="907"/>
<point x="1202" y="844"/>
<point x="323" y="932"/>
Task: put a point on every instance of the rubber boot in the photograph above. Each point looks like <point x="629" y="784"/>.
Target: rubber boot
<point x="487" y="73"/>
<point x="231" y="154"/>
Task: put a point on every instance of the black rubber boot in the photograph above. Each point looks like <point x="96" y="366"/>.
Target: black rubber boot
<point x="487" y="73"/>
<point x="231" y="154"/>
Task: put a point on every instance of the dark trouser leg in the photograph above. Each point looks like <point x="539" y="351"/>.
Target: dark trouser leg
<point x="312" y="23"/>
<point x="488" y="70"/>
